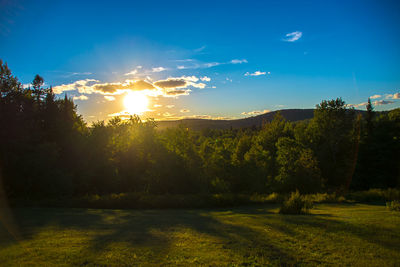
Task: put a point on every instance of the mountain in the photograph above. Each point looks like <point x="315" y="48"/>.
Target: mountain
<point x="199" y="124"/>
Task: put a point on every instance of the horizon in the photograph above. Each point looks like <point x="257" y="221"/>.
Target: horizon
<point x="225" y="60"/>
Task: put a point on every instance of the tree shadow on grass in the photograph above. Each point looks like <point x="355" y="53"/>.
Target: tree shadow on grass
<point x="154" y="229"/>
<point x="241" y="231"/>
<point x="372" y="233"/>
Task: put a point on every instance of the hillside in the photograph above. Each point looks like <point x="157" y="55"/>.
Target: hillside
<point x="199" y="124"/>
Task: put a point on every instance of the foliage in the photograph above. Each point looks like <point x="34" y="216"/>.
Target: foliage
<point x="375" y="194"/>
<point x="393" y="205"/>
<point x="296" y="204"/>
<point x="48" y="151"/>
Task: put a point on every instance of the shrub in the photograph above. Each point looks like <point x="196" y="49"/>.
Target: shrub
<point x="393" y="205"/>
<point x="374" y="195"/>
<point x="272" y="198"/>
<point x="326" y="198"/>
<point x="296" y="204"/>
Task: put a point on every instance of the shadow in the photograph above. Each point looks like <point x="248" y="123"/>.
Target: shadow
<point x="155" y="229"/>
<point x="257" y="234"/>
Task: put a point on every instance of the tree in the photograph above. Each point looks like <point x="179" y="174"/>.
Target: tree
<point x="369" y="117"/>
<point x="298" y="168"/>
<point x="333" y="136"/>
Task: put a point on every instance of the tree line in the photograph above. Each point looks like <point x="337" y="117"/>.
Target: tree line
<point x="48" y="150"/>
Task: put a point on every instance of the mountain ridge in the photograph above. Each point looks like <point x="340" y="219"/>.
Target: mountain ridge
<point x="254" y="121"/>
<point x="292" y="115"/>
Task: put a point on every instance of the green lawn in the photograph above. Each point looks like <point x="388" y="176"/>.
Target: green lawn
<point x="334" y="234"/>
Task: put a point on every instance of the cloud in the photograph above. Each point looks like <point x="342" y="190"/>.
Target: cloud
<point x="170" y="106"/>
<point x="382" y="102"/>
<point x="140" y="85"/>
<point x="123" y="114"/>
<point x="212" y="64"/>
<point x="157" y="105"/>
<point x="158" y="69"/>
<point x="393" y="96"/>
<point x="293" y="36"/>
<point x="109" y="97"/>
<point x="81" y="97"/>
<point x="239" y="61"/>
<point x="167" y="114"/>
<point x="375" y="96"/>
<point x="256" y="112"/>
<point x="177" y="92"/>
<point x="170" y="87"/>
<point x="205" y="79"/>
<point x="81" y="86"/>
<point x="199" y="65"/>
<point x="375" y="103"/>
<point x="257" y="73"/>
<point x="180" y="82"/>
<point x="200" y="49"/>
<point x="133" y="72"/>
<point x="171" y="83"/>
<point x="78" y="74"/>
<point x="87" y="87"/>
<point x="184" y="110"/>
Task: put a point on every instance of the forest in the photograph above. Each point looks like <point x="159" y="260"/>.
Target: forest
<point x="48" y="150"/>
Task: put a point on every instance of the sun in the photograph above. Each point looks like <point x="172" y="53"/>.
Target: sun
<point x="136" y="102"/>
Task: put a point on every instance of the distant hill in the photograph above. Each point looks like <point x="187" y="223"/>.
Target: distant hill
<point x="199" y="124"/>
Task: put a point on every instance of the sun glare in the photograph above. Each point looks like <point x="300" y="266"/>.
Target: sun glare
<point x="136" y="102"/>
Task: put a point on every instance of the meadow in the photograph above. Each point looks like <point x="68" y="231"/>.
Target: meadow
<point x="332" y="234"/>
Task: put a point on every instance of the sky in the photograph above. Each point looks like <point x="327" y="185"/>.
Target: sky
<point x="205" y="59"/>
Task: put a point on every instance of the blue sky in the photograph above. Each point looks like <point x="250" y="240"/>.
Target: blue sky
<point x="208" y="59"/>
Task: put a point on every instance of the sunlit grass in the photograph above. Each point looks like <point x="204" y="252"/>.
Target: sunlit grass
<point x="337" y="234"/>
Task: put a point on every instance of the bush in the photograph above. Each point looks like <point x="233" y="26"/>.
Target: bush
<point x="296" y="204"/>
<point x="326" y="198"/>
<point x="393" y="205"/>
<point x="375" y="195"/>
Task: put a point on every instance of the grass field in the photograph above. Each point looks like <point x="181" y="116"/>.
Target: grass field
<point x="333" y="234"/>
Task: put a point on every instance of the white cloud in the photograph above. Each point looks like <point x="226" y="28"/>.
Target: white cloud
<point x="212" y="64"/>
<point x="78" y="73"/>
<point x="257" y="73"/>
<point x="81" y="97"/>
<point x="81" y="86"/>
<point x="293" y="36"/>
<point x="239" y="61"/>
<point x="375" y="96"/>
<point x="158" y="69"/>
<point x="393" y="96"/>
<point x="205" y="79"/>
<point x="256" y="112"/>
<point x="109" y="97"/>
<point x="200" y="65"/>
<point x="170" y="106"/>
<point x="170" y="87"/>
<point x="157" y="105"/>
<point x="134" y="71"/>
<point x="375" y="103"/>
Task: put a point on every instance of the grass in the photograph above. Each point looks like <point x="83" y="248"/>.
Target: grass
<point x="333" y="234"/>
